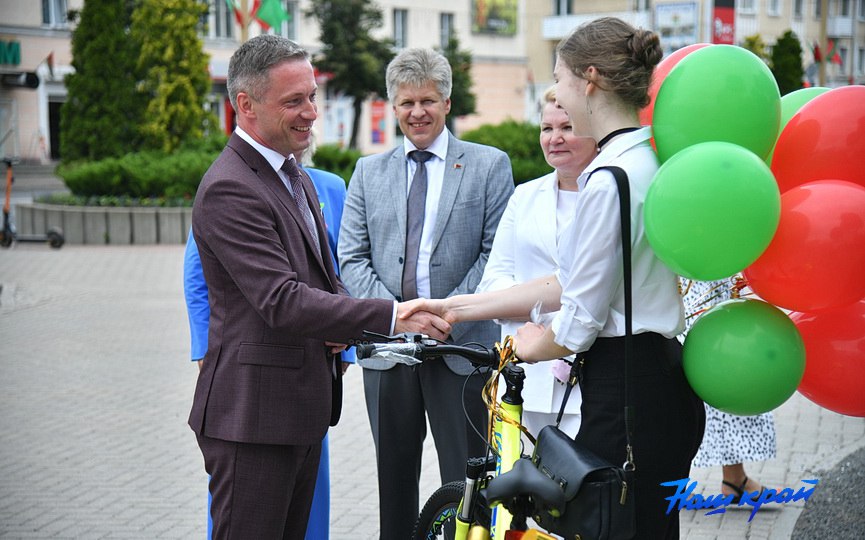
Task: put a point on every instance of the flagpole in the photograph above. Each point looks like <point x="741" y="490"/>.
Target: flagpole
<point x="824" y="45"/>
<point x="244" y="21"/>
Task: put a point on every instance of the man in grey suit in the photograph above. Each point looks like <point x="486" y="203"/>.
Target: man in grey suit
<point x="271" y="382"/>
<point x="419" y="221"/>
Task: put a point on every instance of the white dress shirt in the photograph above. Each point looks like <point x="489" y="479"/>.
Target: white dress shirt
<point x="593" y="300"/>
<point x="435" y="172"/>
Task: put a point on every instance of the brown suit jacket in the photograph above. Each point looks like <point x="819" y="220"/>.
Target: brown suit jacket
<point x="267" y="377"/>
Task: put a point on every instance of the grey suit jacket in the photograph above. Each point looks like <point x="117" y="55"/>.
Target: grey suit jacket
<point x="477" y="184"/>
<point x="275" y="299"/>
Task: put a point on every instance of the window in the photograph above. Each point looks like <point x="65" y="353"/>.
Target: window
<point x="817" y="4"/>
<point x="288" y="28"/>
<point x="446" y="30"/>
<point x="400" y="28"/>
<point x="842" y="52"/>
<point x="845" y="8"/>
<point x="860" y="62"/>
<point x="220" y="20"/>
<point x="54" y="12"/>
<point x="797" y="8"/>
<point x="562" y="7"/>
<point x="862" y="9"/>
<point x="747" y="6"/>
<point x="774" y="7"/>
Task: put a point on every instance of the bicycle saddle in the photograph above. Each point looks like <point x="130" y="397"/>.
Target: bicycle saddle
<point x="526" y="480"/>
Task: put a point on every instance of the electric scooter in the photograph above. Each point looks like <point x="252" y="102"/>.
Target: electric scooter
<point x="54" y="236"/>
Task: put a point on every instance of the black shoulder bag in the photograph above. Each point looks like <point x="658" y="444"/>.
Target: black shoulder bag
<point x="599" y="495"/>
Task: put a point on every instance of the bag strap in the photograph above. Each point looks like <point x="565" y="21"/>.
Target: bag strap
<point x="576" y="368"/>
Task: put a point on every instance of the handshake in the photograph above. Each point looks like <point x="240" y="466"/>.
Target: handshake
<point x="426" y="316"/>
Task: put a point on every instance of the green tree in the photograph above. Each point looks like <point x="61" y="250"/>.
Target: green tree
<point x="99" y="117"/>
<point x="786" y="63"/>
<point x="756" y="45"/>
<point x="463" y="100"/>
<point x="172" y="70"/>
<point x="356" y="60"/>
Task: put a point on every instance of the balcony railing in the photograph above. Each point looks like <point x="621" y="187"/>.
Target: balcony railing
<point x="839" y="27"/>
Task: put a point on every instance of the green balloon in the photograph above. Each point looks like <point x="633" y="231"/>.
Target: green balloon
<point x="711" y="210"/>
<point x="744" y="357"/>
<point x="790" y="105"/>
<point x="718" y="93"/>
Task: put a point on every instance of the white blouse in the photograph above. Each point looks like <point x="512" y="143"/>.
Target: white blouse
<point x="525" y="248"/>
<point x="590" y="254"/>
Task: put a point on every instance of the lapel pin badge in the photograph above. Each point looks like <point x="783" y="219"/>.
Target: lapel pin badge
<point x="458" y="165"/>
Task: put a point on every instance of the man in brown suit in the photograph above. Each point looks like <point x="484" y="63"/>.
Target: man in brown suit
<point x="271" y="384"/>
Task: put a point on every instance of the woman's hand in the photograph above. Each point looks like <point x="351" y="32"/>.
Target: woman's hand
<point x="534" y="343"/>
<point x="527" y="339"/>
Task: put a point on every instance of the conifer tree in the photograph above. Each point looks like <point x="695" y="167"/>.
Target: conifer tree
<point x="99" y="117"/>
<point x="173" y="72"/>
<point x="787" y="63"/>
<point x="356" y="60"/>
<point x="463" y="100"/>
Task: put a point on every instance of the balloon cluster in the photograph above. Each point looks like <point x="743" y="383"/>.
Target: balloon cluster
<point x="773" y="188"/>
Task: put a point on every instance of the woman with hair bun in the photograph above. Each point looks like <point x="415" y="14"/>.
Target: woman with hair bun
<point x="602" y="74"/>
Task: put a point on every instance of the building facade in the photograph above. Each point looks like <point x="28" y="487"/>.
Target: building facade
<point x="36" y="50"/>
<point x="512" y="44"/>
<point x="681" y="23"/>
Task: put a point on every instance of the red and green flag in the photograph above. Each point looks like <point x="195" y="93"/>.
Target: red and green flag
<point x="270" y="13"/>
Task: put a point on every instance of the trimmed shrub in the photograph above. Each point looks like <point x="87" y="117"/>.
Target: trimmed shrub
<point x="332" y="158"/>
<point x="139" y="175"/>
<point x="146" y="175"/>
<point x="520" y="141"/>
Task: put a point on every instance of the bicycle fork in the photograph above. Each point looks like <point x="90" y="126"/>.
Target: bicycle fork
<point x="476" y="469"/>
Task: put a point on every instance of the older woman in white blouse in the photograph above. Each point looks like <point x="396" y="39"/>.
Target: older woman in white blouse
<point x="526" y="247"/>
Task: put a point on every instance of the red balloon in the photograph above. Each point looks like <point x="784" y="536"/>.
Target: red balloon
<point x="834" y="358"/>
<point x="816" y="259"/>
<point x="825" y="139"/>
<point x="658" y="76"/>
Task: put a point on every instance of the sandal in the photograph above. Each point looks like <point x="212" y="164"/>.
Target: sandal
<point x="740" y="490"/>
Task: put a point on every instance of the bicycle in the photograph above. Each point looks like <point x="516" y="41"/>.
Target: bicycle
<point x="489" y="503"/>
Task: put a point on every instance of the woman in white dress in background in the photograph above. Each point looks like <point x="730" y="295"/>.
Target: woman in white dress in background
<point x="526" y="247"/>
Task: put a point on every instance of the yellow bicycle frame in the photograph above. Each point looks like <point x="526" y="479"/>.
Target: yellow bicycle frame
<point x="507" y="440"/>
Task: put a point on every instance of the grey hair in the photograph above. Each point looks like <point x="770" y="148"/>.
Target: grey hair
<point x="416" y="67"/>
<point x="249" y="67"/>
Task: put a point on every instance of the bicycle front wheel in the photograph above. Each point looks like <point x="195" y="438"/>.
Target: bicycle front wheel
<point x="438" y="517"/>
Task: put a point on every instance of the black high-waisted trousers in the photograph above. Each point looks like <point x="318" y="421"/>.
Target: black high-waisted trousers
<point x="669" y="420"/>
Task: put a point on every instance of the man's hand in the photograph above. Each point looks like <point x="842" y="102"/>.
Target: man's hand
<point x="437" y="306"/>
<point x="336" y="348"/>
<point x="422" y="322"/>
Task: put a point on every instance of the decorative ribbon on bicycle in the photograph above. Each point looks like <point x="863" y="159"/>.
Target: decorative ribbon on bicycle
<point x="507" y="355"/>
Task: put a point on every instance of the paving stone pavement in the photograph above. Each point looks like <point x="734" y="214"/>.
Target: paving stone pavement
<point x="95" y="388"/>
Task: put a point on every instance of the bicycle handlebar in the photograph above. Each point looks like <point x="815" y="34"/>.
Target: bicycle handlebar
<point x="422" y="348"/>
